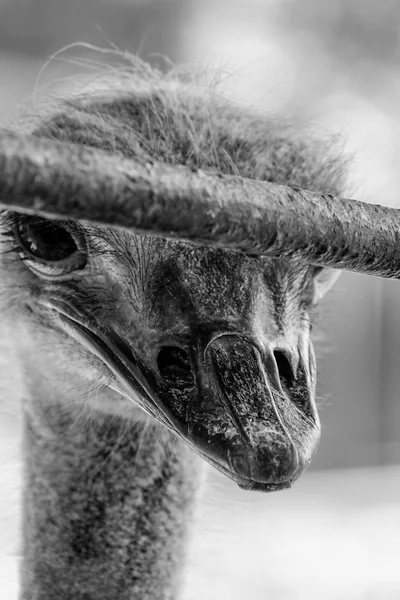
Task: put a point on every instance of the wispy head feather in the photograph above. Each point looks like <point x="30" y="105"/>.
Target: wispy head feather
<point x="183" y="116"/>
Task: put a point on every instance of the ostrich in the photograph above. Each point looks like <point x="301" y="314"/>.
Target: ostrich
<point x="139" y="357"/>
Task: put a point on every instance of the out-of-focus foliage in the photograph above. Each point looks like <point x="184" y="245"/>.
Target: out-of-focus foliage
<point x="357" y="41"/>
<point x="44" y="26"/>
<point x="360" y="37"/>
<point x="352" y="31"/>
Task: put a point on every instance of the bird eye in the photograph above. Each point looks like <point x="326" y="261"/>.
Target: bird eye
<point x="48" y="247"/>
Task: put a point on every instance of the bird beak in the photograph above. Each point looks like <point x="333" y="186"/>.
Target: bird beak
<point x="235" y="414"/>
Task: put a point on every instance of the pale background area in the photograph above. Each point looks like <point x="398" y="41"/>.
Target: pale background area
<point x="334" y="64"/>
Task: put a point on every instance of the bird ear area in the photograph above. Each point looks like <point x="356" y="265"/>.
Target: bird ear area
<point x="324" y="279"/>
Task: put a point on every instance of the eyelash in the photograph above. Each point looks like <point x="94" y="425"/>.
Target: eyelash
<point x="8" y="223"/>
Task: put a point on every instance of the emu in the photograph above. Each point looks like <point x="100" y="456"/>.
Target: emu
<point x="140" y="357"/>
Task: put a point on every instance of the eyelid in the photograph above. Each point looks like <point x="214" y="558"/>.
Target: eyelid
<point x="50" y="270"/>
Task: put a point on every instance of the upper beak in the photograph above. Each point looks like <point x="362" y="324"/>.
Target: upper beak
<point x="238" y="417"/>
<point x="235" y="415"/>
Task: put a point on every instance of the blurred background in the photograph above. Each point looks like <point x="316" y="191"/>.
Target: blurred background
<point x="333" y="65"/>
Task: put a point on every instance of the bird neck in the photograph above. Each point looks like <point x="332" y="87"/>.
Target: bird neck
<point x="106" y="507"/>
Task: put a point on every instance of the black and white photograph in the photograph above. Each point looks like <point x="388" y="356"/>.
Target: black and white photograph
<point x="199" y="300"/>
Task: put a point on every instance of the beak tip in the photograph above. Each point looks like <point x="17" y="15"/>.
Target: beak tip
<point x="261" y="486"/>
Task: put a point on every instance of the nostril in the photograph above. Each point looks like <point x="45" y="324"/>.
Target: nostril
<point x="174" y="366"/>
<point x="285" y="370"/>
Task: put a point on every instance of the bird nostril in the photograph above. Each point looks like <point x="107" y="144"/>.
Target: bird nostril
<point x="285" y="369"/>
<point x="174" y="366"/>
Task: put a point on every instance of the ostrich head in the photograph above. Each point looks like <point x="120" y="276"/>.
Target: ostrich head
<point x="212" y="344"/>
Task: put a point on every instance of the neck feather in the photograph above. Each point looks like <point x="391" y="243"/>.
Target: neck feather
<point x="106" y="506"/>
